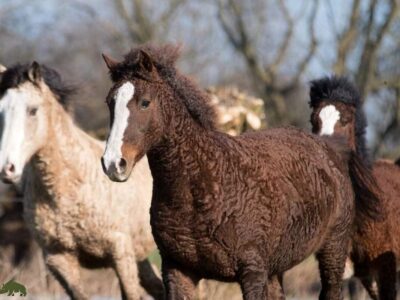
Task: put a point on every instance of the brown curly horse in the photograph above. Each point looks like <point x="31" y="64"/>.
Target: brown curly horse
<point x="241" y="209"/>
<point x="337" y="110"/>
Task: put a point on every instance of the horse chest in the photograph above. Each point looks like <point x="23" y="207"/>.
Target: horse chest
<point x="67" y="227"/>
<point x="189" y="239"/>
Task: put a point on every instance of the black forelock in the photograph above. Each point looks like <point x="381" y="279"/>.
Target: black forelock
<point x="334" y="88"/>
<point x="340" y="89"/>
<point x="18" y="74"/>
<point x="163" y="58"/>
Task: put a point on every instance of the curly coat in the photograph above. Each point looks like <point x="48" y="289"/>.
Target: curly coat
<point x="244" y="208"/>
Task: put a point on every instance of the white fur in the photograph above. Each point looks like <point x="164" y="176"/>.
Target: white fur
<point x="329" y="115"/>
<point x="348" y="270"/>
<point x="13" y="108"/>
<point x="113" y="150"/>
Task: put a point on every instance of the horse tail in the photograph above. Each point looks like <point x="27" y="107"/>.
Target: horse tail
<point x="368" y="195"/>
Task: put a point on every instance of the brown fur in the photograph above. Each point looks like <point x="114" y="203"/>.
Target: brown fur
<point x="241" y="209"/>
<point x="376" y="244"/>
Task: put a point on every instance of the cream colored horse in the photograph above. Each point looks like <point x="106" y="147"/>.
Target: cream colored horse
<point x="78" y="216"/>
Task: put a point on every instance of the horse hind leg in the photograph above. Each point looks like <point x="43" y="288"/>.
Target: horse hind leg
<point x="386" y="279"/>
<point x="364" y="272"/>
<point x="331" y="258"/>
<point x="370" y="285"/>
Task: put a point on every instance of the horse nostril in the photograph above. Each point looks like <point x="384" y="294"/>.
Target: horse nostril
<point x="122" y="164"/>
<point x="10" y="168"/>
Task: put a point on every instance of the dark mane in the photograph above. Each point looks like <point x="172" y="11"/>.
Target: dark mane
<point x="18" y="74"/>
<point x="164" y="57"/>
<point x="340" y="89"/>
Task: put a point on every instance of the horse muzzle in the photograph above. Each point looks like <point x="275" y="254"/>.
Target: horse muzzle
<point x="116" y="170"/>
<point x="9" y="174"/>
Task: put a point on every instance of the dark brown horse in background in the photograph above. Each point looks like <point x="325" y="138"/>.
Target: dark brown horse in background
<point x="241" y="209"/>
<point x="337" y="110"/>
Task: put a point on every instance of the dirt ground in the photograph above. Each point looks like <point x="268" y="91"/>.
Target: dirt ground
<point x="301" y="283"/>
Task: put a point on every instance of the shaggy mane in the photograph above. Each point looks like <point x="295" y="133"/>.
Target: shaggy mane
<point x="340" y="89"/>
<point x="18" y="74"/>
<point x="164" y="57"/>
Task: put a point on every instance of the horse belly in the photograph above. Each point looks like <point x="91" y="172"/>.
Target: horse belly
<point x="301" y="226"/>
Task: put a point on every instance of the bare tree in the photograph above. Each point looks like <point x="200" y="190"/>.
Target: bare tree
<point x="359" y="51"/>
<point x="273" y="89"/>
<point x="363" y="28"/>
<point x="136" y="15"/>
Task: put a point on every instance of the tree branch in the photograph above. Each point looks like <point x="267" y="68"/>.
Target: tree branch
<point x="167" y="15"/>
<point x="311" y="49"/>
<point x="140" y="28"/>
<point x="241" y="42"/>
<point x="277" y="61"/>
<point x="347" y="39"/>
<point x="367" y="64"/>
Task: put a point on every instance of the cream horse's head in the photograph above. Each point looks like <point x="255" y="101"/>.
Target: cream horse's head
<point x="23" y="118"/>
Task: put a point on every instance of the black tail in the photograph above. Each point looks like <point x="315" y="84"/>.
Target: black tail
<point x="368" y="195"/>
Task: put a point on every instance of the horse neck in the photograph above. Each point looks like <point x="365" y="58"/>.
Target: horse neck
<point x="67" y="155"/>
<point x="184" y="143"/>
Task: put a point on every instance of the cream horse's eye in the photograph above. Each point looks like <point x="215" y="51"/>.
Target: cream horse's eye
<point x="32" y="111"/>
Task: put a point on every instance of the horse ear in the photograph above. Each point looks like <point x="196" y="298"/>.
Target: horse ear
<point x="2" y="69"/>
<point x="110" y="62"/>
<point x="145" y="61"/>
<point x="35" y="72"/>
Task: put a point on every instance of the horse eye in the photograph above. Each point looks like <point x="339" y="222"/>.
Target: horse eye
<point x="32" y="111"/>
<point x="144" y="103"/>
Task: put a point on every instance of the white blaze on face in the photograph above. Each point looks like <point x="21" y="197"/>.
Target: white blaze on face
<point x="329" y="115"/>
<point x="113" y="150"/>
<point x="13" y="106"/>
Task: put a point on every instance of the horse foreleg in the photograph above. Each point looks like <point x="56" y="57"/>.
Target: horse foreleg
<point x="66" y="269"/>
<point x="275" y="288"/>
<point x="331" y="259"/>
<point x="125" y="266"/>
<point x="179" y="284"/>
<point x="253" y="277"/>
<point x="150" y="281"/>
